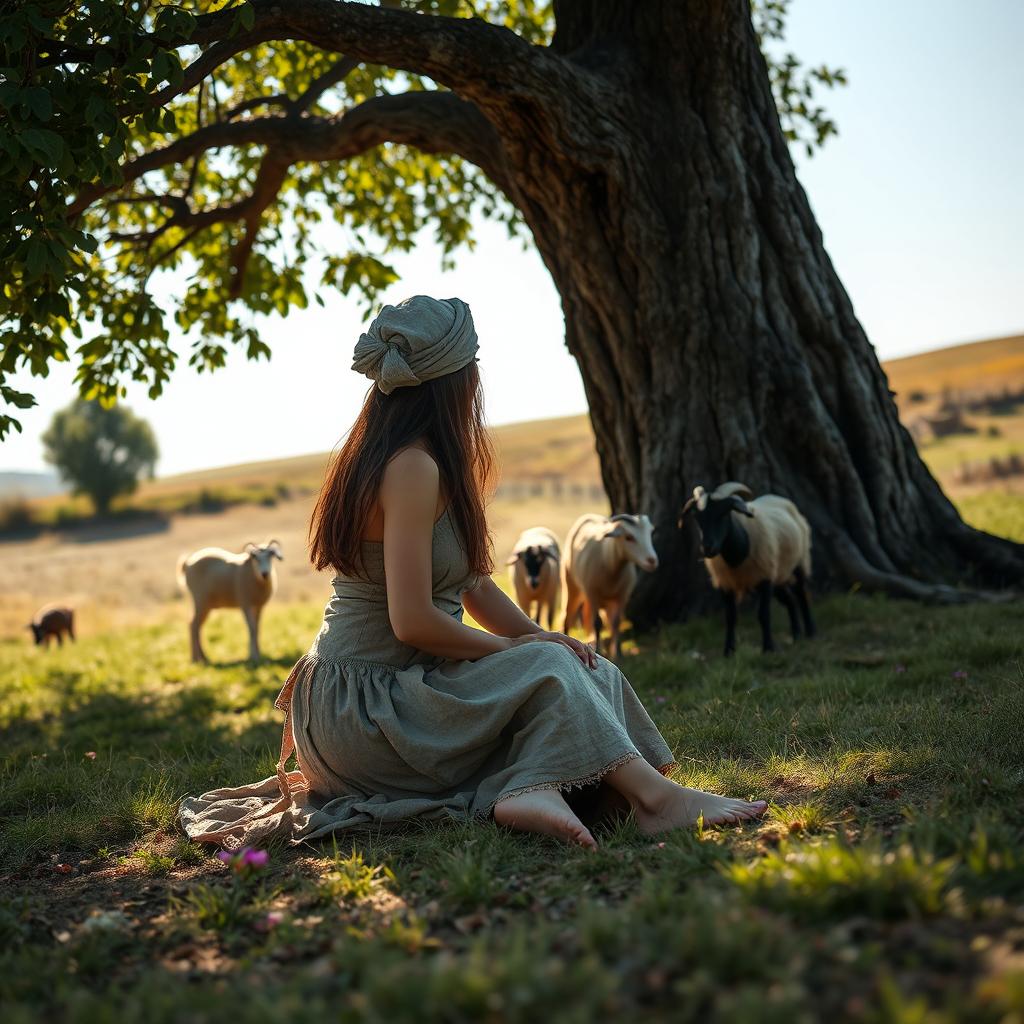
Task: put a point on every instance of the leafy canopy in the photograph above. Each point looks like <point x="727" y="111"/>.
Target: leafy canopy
<point x="88" y="88"/>
<point x="100" y="452"/>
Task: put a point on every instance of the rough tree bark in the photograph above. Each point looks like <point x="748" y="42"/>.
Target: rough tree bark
<point x="714" y="338"/>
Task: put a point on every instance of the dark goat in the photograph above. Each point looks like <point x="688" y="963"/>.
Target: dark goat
<point x="52" y="622"/>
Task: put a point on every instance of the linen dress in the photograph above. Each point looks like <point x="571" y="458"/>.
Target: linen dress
<point x="384" y="733"/>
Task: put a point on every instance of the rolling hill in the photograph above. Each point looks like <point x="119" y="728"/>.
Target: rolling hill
<point x="974" y="369"/>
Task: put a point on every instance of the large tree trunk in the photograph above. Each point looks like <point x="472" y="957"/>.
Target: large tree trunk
<point x="714" y="338"/>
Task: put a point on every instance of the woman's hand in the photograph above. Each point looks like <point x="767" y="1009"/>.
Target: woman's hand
<point x="583" y="651"/>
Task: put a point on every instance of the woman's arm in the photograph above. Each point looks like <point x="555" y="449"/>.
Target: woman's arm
<point x="408" y="499"/>
<point x="498" y="613"/>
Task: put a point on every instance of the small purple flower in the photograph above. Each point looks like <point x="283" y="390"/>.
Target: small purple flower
<point x="246" y="861"/>
<point x="660" y="700"/>
<point x="959" y="674"/>
<point x="255" y="858"/>
<point x="900" y="669"/>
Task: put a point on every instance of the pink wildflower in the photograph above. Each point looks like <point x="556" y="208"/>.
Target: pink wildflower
<point x="246" y="861"/>
<point x="269" y="921"/>
<point x="91" y="754"/>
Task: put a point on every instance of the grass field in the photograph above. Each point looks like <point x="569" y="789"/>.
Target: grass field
<point x="885" y="885"/>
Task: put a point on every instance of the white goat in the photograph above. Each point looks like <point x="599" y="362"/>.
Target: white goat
<point x="223" y="579"/>
<point x="767" y="550"/>
<point x="602" y="554"/>
<point x="534" y="571"/>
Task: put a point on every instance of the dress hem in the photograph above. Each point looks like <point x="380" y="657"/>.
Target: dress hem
<point x="577" y="783"/>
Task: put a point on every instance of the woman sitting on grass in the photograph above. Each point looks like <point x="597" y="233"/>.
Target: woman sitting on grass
<point x="402" y="711"/>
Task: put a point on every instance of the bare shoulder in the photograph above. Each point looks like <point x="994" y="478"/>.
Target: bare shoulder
<point x="412" y="477"/>
<point x="411" y="466"/>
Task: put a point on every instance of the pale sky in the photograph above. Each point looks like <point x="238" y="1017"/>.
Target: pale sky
<point x="919" y="200"/>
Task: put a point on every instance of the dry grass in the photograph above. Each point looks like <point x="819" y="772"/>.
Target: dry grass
<point x="978" y="367"/>
<point x="123" y="573"/>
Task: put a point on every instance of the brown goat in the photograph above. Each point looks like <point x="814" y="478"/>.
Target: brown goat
<point x="52" y="621"/>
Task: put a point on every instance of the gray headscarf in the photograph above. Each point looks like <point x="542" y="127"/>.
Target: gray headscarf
<point x="419" y="339"/>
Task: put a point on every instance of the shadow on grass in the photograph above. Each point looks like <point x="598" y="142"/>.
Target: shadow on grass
<point x="284" y="663"/>
<point x="108" y="767"/>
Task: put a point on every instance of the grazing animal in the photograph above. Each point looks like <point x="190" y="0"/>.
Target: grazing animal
<point x="754" y="544"/>
<point x="223" y="579"/>
<point x="534" y="569"/>
<point x="602" y="554"/>
<point x="52" y="621"/>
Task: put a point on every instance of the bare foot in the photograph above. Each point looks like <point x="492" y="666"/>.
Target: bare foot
<point x="681" y="808"/>
<point x="544" y="811"/>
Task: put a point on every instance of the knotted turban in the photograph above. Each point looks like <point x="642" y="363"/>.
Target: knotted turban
<point x="417" y="340"/>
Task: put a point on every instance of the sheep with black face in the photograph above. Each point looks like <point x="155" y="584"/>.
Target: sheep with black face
<point x="534" y="568"/>
<point x="754" y="544"/>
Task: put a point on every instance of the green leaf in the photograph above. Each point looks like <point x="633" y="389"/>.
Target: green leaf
<point x="38" y="101"/>
<point x="35" y="259"/>
<point x="19" y="399"/>
<point x="246" y="16"/>
<point x="46" y="146"/>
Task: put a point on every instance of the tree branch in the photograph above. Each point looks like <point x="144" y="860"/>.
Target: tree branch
<point x="268" y="183"/>
<point x="337" y="72"/>
<point x="277" y="99"/>
<point x="435" y="122"/>
<point x="482" y="61"/>
<point x="208" y="61"/>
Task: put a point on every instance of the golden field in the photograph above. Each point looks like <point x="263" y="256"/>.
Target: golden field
<point x="977" y="367"/>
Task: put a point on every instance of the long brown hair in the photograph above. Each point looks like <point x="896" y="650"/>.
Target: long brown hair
<point x="445" y="414"/>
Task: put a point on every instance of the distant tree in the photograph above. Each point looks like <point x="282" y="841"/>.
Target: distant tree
<point x="100" y="452"/>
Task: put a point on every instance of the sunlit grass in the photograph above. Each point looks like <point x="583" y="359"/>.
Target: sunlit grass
<point x="995" y="512"/>
<point x="833" y="878"/>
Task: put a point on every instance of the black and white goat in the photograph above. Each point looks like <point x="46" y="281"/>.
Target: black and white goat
<point x="754" y="544"/>
<point x="534" y="566"/>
